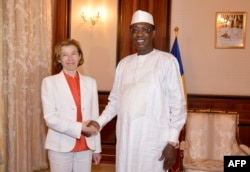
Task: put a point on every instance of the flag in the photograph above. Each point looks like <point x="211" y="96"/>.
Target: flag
<point x="176" y="52"/>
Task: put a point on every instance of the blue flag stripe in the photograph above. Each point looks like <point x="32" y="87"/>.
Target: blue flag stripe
<point x="176" y="52"/>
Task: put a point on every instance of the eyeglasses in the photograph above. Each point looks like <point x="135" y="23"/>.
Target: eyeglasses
<point x="140" y="29"/>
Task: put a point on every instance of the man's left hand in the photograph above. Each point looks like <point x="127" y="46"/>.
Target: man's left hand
<point x="169" y="156"/>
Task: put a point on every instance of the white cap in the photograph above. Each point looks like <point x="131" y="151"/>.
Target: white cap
<point x="142" y="17"/>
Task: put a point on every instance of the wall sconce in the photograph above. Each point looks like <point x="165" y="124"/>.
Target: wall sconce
<point x="90" y="16"/>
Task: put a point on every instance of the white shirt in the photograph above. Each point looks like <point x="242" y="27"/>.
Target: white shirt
<point x="148" y="99"/>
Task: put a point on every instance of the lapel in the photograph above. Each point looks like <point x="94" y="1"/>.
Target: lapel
<point x="63" y="84"/>
<point x="83" y="90"/>
<point x="86" y="97"/>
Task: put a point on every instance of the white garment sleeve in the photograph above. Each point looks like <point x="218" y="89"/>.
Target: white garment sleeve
<point x="177" y="103"/>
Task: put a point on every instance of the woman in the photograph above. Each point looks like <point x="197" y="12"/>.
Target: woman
<point x="69" y="101"/>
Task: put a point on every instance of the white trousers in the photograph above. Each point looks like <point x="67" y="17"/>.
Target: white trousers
<point x="70" y="161"/>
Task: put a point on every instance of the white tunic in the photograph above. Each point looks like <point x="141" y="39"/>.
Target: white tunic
<point x="148" y="98"/>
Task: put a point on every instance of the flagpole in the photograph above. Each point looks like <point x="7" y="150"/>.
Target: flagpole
<point x="176" y="52"/>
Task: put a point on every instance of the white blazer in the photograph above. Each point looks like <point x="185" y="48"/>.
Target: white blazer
<point x="60" y="112"/>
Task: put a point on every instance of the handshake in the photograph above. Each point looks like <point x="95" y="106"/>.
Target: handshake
<point x="90" y="128"/>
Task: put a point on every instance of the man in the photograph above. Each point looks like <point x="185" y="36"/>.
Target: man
<point x="148" y="99"/>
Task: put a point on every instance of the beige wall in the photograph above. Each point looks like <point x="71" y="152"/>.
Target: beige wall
<point x="209" y="70"/>
<point x="98" y="42"/>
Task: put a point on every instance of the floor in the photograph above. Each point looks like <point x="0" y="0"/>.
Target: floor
<point x="103" y="168"/>
<point x="98" y="168"/>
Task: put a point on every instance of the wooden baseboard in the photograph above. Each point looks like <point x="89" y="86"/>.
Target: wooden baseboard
<point x="108" y="153"/>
